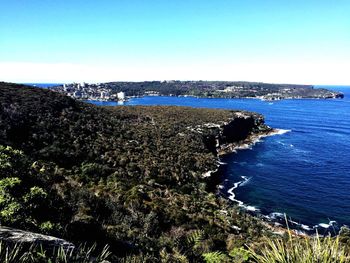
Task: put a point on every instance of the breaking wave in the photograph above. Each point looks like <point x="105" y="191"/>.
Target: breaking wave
<point x="232" y="195"/>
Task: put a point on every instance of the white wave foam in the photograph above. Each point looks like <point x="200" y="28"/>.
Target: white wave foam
<point x="245" y="146"/>
<point x="232" y="196"/>
<point x="281" y="216"/>
<point x="251" y="208"/>
<point x="305" y="227"/>
<point x="276" y="215"/>
<point x="324" y="225"/>
<point x="293" y="222"/>
<point x="280" y="131"/>
<point x="257" y="138"/>
<point x="246" y="181"/>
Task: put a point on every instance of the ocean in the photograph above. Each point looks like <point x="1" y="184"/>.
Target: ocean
<point x="43" y="85"/>
<point x="303" y="172"/>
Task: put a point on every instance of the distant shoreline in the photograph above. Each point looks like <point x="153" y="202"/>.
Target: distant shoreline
<point x="205" y="89"/>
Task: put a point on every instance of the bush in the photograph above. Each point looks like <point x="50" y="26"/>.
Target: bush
<point x="302" y="250"/>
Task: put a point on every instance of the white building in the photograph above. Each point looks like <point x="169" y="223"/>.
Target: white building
<point x="121" y="95"/>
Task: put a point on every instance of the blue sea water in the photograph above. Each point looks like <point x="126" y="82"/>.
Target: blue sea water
<point x="43" y="85"/>
<point x="304" y="173"/>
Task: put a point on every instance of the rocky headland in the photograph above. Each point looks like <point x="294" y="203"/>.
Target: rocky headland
<point x="139" y="179"/>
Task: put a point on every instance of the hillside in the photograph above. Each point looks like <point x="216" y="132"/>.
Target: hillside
<point x="135" y="178"/>
<point x="128" y="176"/>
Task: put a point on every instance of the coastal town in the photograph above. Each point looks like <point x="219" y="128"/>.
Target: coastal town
<point x="87" y="91"/>
<point x="121" y="91"/>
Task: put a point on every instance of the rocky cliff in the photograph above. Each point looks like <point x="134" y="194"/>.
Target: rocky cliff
<point x="242" y="128"/>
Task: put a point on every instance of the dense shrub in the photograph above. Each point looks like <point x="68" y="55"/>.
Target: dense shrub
<point x="127" y="176"/>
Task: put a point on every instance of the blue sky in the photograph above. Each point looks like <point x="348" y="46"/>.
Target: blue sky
<point x="271" y="41"/>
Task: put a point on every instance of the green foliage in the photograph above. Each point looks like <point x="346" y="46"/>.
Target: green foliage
<point x="141" y="258"/>
<point x="127" y="176"/>
<point x="23" y="201"/>
<point x="35" y="196"/>
<point x="344" y="235"/>
<point x="19" y="253"/>
<point x="239" y="254"/>
<point x="46" y="227"/>
<point x="174" y="256"/>
<point x="215" y="257"/>
<point x="302" y="250"/>
<point x="206" y="88"/>
<point x="195" y="238"/>
<point x="10" y="208"/>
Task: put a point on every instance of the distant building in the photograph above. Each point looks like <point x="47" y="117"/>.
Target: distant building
<point x="152" y="93"/>
<point x="121" y="95"/>
<point x="104" y="94"/>
<point x="77" y="94"/>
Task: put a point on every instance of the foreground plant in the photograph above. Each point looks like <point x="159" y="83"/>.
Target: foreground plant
<point x="302" y="250"/>
<point x="19" y="253"/>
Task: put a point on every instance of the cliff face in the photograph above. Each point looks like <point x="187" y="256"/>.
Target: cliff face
<point x="243" y="127"/>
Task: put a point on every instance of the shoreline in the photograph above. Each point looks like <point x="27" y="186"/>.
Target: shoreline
<point x="275" y="221"/>
<point x="243" y="97"/>
<point x="199" y="97"/>
<point x="249" y="142"/>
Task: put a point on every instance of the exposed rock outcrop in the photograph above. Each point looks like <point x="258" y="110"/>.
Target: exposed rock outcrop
<point x="240" y="132"/>
<point x="12" y="235"/>
<point x="244" y="128"/>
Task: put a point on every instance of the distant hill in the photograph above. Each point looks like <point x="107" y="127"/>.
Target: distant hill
<point x="208" y="89"/>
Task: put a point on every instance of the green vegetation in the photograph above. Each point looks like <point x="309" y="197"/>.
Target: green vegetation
<point x="128" y="177"/>
<point x="215" y="89"/>
<point x="205" y="88"/>
<point x="19" y="253"/>
<point x="303" y="250"/>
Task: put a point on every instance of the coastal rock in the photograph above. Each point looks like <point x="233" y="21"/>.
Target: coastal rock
<point x="241" y="131"/>
<point x="12" y="235"/>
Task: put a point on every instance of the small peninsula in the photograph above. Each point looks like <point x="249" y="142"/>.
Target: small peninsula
<point x="206" y="89"/>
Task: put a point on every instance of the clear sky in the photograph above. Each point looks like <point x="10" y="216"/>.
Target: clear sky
<point x="299" y="41"/>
